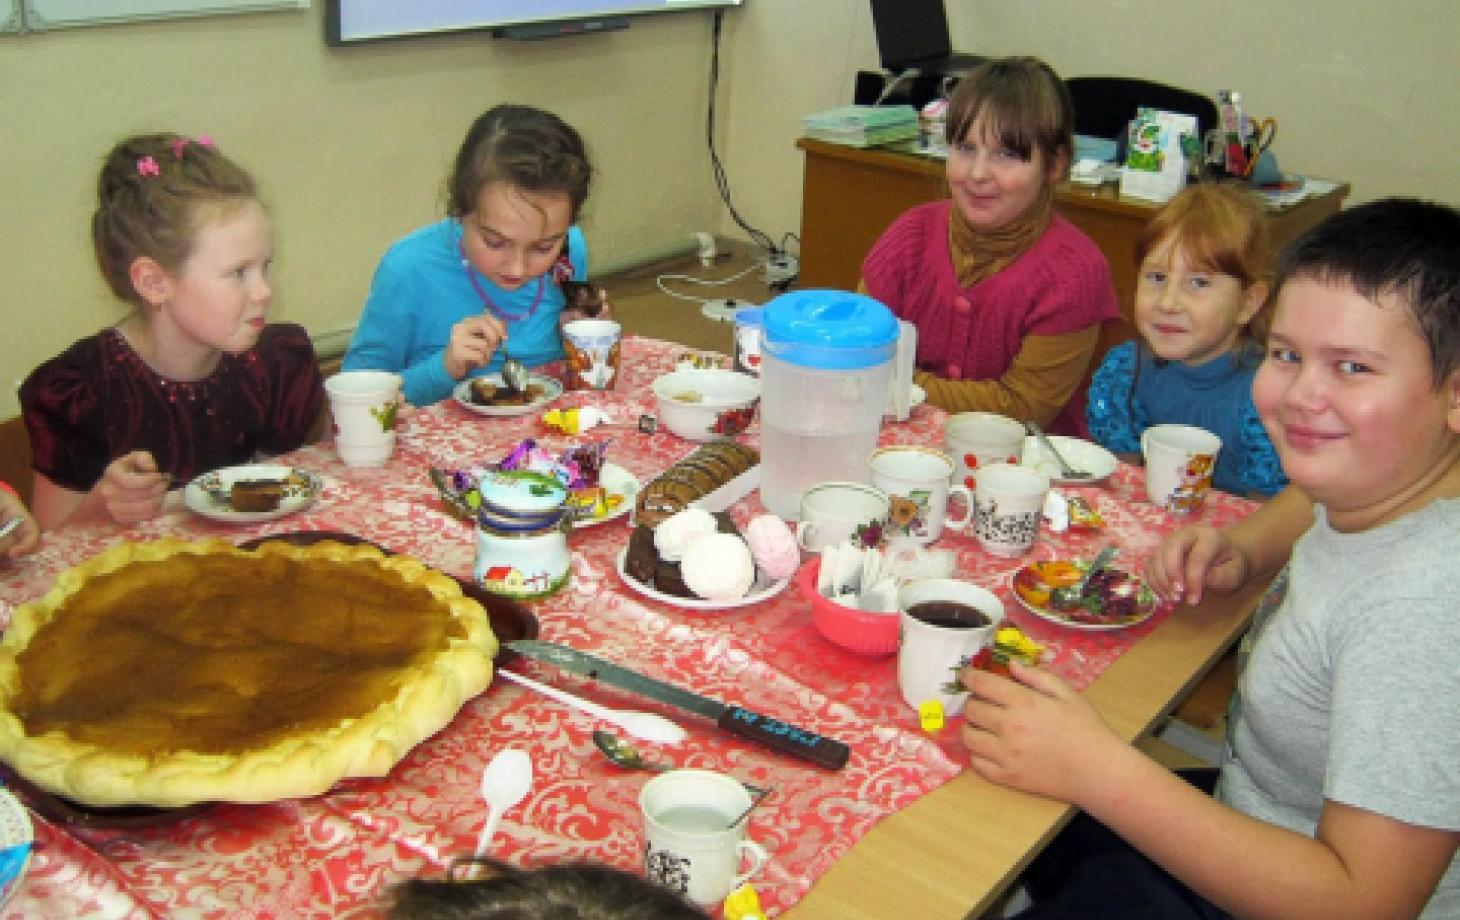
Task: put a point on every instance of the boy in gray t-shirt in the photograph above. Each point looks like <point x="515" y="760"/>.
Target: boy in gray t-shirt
<point x="1340" y="795"/>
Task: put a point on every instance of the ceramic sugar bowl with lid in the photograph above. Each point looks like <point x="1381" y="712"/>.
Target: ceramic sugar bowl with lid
<point x="522" y="542"/>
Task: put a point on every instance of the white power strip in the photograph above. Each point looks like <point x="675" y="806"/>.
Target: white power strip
<point x="780" y="270"/>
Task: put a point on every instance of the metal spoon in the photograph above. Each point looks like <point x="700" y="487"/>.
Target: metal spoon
<point x="514" y="372"/>
<point x="646" y="726"/>
<point x="505" y="782"/>
<point x="1066" y="471"/>
<point x="627" y="756"/>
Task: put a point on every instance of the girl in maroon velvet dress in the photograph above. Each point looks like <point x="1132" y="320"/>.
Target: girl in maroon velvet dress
<point x="194" y="379"/>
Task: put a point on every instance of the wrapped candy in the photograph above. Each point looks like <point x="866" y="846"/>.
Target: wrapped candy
<point x="576" y="420"/>
<point x="1071" y="512"/>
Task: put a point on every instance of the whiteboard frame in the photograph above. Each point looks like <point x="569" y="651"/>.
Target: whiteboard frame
<point x="43" y="15"/>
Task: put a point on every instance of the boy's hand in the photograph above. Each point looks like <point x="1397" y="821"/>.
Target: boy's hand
<point x="1194" y="559"/>
<point x="26" y="535"/>
<point x="132" y="488"/>
<point x="1034" y="733"/>
<point x="473" y="342"/>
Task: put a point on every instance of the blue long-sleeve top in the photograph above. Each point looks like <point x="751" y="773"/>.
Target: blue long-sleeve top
<point x="1133" y="390"/>
<point x="421" y="289"/>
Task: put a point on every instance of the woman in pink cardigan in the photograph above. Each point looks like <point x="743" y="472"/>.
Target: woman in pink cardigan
<point x="1007" y="295"/>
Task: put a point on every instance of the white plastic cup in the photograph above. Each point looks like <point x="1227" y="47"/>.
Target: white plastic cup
<point x="592" y="349"/>
<point x="363" y="407"/>
<point x="1179" y="464"/>
<point x="694" y="834"/>
<point x="930" y="654"/>
<point x="1009" y="502"/>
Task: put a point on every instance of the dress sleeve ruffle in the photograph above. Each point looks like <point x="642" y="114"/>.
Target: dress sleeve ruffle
<point x="1110" y="410"/>
<point x="64" y="417"/>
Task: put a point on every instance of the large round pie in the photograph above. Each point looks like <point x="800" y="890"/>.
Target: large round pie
<point x="173" y="672"/>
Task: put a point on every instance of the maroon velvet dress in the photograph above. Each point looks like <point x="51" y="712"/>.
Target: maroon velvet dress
<point x="98" y="401"/>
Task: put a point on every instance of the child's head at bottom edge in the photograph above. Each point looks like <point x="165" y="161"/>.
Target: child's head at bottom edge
<point x="482" y="889"/>
<point x="1360" y="387"/>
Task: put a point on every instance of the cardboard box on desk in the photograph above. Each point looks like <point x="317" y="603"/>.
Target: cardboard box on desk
<point x="1155" y="161"/>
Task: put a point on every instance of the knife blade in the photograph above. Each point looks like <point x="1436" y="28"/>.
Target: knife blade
<point x="737" y="720"/>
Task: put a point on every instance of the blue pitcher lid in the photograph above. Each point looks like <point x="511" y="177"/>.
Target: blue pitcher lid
<point x="521" y="491"/>
<point x="830" y="329"/>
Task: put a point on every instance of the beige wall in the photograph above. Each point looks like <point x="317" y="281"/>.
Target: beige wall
<point x="352" y="145"/>
<point x="1361" y="89"/>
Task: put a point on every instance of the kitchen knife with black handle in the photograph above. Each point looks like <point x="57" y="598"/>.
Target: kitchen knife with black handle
<point x="753" y="726"/>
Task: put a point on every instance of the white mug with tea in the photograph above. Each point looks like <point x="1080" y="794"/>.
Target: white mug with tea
<point x="944" y="623"/>
<point x="694" y="834"/>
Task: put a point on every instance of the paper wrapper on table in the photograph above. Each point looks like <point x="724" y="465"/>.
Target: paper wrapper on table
<point x="1155" y="160"/>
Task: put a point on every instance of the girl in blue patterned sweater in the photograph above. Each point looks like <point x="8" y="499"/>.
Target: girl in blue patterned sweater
<point x="1199" y="312"/>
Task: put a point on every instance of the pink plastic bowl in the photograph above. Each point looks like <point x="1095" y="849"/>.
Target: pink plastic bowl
<point x="872" y="634"/>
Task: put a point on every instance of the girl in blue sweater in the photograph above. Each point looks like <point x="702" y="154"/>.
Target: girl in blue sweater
<point x="1199" y="312"/>
<point x="449" y="296"/>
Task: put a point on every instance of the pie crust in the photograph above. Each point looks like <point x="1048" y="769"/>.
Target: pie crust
<point x="176" y="672"/>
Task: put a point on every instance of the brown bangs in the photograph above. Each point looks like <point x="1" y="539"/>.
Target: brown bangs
<point x="1025" y="106"/>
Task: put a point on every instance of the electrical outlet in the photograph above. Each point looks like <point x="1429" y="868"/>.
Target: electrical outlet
<point x="781" y="270"/>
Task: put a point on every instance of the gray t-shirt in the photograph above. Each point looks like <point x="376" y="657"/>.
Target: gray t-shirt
<point x="1351" y="687"/>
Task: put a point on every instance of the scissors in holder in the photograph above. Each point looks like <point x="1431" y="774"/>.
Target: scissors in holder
<point x="1264" y="132"/>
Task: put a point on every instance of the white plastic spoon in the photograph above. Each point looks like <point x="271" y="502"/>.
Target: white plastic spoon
<point x="646" y="726"/>
<point x="505" y="782"/>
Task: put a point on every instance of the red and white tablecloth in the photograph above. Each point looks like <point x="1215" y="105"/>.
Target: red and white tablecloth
<point x="336" y="855"/>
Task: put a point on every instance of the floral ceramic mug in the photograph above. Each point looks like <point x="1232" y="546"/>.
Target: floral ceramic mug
<point x="918" y="483"/>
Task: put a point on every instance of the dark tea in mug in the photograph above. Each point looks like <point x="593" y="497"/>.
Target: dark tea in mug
<point x="949" y="614"/>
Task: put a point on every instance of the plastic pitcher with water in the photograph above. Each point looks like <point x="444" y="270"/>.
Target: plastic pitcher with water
<point x="826" y="367"/>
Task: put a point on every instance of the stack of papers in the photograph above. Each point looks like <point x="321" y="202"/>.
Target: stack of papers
<point x="863" y="125"/>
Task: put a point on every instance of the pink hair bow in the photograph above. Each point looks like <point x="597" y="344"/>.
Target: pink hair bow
<point x="148" y="167"/>
<point x="180" y="144"/>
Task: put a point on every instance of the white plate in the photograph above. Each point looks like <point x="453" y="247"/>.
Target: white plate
<point x="1079" y="453"/>
<point x="1044" y="613"/>
<point x="759" y="591"/>
<point x="208" y="494"/>
<point x="916" y="396"/>
<point x="617" y="481"/>
<point x="15" y="830"/>
<point x="551" y="390"/>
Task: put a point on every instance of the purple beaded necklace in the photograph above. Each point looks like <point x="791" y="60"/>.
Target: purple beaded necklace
<point x="471" y="275"/>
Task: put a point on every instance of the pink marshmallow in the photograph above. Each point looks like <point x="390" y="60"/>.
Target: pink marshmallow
<point x="773" y="546"/>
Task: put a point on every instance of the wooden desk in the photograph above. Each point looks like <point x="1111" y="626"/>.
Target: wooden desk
<point x="955" y="851"/>
<point x="850" y="195"/>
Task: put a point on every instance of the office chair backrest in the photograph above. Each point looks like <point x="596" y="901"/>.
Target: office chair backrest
<point x="1104" y="105"/>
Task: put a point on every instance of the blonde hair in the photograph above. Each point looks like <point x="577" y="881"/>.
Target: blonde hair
<point x="154" y="193"/>
<point x="1218" y="227"/>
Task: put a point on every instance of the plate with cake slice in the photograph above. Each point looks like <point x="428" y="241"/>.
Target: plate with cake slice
<point x="252" y="493"/>
<point x="489" y="395"/>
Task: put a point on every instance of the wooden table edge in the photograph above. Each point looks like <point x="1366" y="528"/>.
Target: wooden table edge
<point x="954" y="852"/>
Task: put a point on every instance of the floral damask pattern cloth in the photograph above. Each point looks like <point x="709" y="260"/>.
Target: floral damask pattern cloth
<point x="336" y="855"/>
